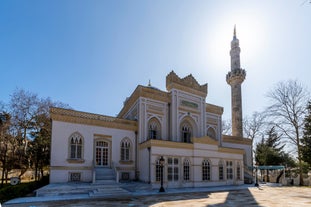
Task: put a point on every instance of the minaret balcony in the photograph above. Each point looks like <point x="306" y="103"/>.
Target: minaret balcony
<point x="236" y="76"/>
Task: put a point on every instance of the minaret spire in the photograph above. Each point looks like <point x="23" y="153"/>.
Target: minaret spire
<point x="235" y="78"/>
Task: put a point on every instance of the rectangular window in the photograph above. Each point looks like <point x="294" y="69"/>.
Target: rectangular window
<point x="229" y="170"/>
<point x="172" y="169"/>
<point x="221" y="172"/>
<point x="75" y="177"/>
<point x="125" y="176"/>
<point x="169" y="173"/>
<point x="186" y="172"/>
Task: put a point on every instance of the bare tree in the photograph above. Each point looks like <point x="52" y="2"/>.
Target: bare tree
<point x="287" y="111"/>
<point x="253" y="126"/>
<point x="24" y="106"/>
<point x="226" y="127"/>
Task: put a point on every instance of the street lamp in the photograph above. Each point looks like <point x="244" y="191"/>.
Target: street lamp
<point x="161" y="167"/>
<point x="256" y="184"/>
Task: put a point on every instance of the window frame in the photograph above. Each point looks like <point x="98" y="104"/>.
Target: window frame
<point x="154" y="129"/>
<point x="75" y="147"/>
<point x="125" y="150"/>
<point x="186" y="170"/>
<point x="221" y="170"/>
<point x="186" y="131"/>
<point x="206" y="170"/>
<point x="229" y="169"/>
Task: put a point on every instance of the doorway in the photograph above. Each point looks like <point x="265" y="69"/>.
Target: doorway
<point x="102" y="153"/>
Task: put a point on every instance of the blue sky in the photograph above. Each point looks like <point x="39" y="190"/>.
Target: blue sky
<point x="92" y="54"/>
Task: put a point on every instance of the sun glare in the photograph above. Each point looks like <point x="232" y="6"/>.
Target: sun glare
<point x="249" y="30"/>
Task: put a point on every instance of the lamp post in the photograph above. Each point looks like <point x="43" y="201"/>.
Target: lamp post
<point x="161" y="166"/>
<point x="256" y="184"/>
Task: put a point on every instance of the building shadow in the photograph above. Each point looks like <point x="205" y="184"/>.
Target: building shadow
<point x="238" y="198"/>
<point x="216" y="199"/>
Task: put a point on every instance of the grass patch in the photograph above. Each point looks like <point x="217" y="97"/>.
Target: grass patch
<point x="9" y="192"/>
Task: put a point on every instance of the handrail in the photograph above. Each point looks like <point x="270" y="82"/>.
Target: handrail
<point x="115" y="170"/>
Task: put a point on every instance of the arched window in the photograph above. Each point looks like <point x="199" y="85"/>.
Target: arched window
<point x="238" y="171"/>
<point x="221" y="170"/>
<point x="76" y="146"/>
<point x="154" y="129"/>
<point x="186" y="169"/>
<point x="125" y="149"/>
<point x="211" y="133"/>
<point x="186" y="131"/>
<point x="206" y="170"/>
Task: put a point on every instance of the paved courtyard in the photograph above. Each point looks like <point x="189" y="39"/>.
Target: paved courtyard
<point x="264" y="196"/>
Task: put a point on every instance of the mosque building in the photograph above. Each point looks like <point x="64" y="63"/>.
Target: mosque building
<point x="177" y="125"/>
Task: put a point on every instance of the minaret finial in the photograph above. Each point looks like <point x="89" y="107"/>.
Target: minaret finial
<point x="234" y="32"/>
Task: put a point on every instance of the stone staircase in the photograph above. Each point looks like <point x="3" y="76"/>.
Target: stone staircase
<point x="106" y="185"/>
<point x="109" y="191"/>
<point x="104" y="176"/>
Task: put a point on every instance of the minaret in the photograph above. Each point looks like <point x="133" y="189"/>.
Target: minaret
<point x="235" y="78"/>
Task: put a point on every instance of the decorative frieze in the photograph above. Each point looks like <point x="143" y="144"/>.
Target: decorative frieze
<point x="78" y="117"/>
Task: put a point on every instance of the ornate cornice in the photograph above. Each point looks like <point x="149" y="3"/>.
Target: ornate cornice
<point x="214" y="109"/>
<point x="205" y="140"/>
<point x="181" y="145"/>
<point x="231" y="150"/>
<point x="164" y="143"/>
<point x="188" y="84"/>
<point x="236" y="140"/>
<point x="146" y="92"/>
<point x="102" y="136"/>
<point x="71" y="168"/>
<point x="78" y="117"/>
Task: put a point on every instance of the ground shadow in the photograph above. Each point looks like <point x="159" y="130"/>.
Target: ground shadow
<point x="227" y="198"/>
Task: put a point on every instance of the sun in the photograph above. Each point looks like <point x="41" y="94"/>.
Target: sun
<point x="249" y="30"/>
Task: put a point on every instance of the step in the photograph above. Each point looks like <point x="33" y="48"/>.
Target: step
<point x="105" y="177"/>
<point x="109" y="191"/>
<point x="105" y="182"/>
<point x="104" y="174"/>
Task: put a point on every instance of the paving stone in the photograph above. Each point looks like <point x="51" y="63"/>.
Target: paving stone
<point x="247" y="196"/>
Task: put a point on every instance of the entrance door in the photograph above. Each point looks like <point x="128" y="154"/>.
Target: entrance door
<point x="173" y="171"/>
<point x="102" y="154"/>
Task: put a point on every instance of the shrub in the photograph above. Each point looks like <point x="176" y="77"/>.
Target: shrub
<point x="9" y="192"/>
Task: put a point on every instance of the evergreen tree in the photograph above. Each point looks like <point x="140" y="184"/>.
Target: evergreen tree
<point x="306" y="140"/>
<point x="269" y="150"/>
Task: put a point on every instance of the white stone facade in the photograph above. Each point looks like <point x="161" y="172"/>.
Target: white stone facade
<point x="176" y="124"/>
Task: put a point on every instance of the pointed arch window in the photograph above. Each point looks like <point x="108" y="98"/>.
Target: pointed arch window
<point x="125" y="149"/>
<point x="186" y="131"/>
<point x="76" y="146"/>
<point x="154" y="129"/>
<point x="206" y="170"/>
<point x="186" y="170"/>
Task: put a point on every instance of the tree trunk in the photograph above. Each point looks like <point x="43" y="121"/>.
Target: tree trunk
<point x="4" y="165"/>
<point x="299" y="158"/>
